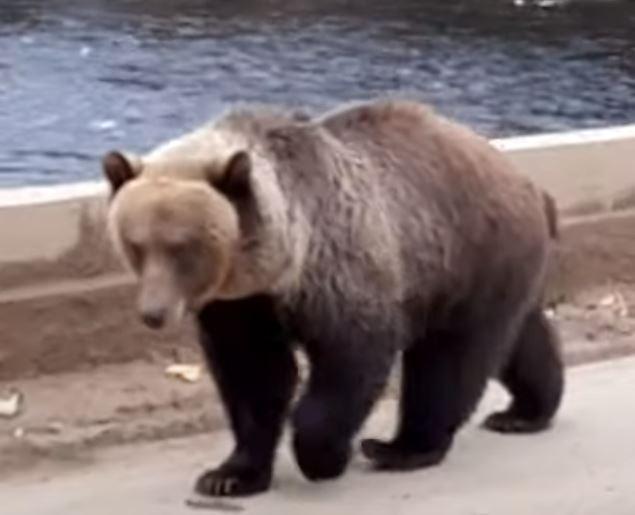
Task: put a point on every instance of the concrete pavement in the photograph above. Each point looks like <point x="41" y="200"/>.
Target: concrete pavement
<point x="584" y="466"/>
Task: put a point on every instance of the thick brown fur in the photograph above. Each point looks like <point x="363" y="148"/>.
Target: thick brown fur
<point x="377" y="229"/>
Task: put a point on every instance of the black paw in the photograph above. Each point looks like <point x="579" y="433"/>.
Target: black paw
<point x="393" y="456"/>
<point x="229" y="481"/>
<point x="510" y="422"/>
<point x="320" y="459"/>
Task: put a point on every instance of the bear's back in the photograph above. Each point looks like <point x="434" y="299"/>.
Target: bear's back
<point x="420" y="157"/>
<point x="379" y="116"/>
<point x="440" y="193"/>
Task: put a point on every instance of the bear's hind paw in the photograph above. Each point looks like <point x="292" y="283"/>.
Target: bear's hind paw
<point x="508" y="422"/>
<point x="392" y="456"/>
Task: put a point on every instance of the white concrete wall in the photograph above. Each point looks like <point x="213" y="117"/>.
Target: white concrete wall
<point x="592" y="168"/>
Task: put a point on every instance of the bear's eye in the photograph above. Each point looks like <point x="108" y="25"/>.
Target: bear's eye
<point x="185" y="257"/>
<point x="136" y="254"/>
<point x="183" y="254"/>
<point x="177" y="248"/>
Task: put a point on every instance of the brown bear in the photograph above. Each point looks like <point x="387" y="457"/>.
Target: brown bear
<point x="377" y="229"/>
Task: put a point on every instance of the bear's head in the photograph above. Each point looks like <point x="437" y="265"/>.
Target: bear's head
<point x="187" y="228"/>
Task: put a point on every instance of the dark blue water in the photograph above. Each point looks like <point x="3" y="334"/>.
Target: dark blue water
<point x="79" y="77"/>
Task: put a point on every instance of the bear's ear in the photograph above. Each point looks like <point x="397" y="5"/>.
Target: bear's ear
<point x="234" y="180"/>
<point x="119" y="169"/>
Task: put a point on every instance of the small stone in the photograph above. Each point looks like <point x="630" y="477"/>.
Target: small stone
<point x="608" y="301"/>
<point x="11" y="405"/>
<point x="185" y="372"/>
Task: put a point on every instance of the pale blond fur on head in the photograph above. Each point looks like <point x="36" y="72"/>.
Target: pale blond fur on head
<point x="171" y="199"/>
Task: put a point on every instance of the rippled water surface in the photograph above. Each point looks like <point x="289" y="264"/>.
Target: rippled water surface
<point x="79" y="77"/>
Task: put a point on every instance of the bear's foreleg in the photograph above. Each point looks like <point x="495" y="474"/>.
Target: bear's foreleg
<point x="252" y="362"/>
<point x="348" y="373"/>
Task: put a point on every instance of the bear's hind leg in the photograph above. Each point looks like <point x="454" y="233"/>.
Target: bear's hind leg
<point x="253" y="365"/>
<point x="534" y="377"/>
<point x="443" y="378"/>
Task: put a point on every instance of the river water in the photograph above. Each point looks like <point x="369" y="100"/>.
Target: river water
<point x="78" y="77"/>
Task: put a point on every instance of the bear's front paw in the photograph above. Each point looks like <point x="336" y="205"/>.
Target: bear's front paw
<point x="232" y="481"/>
<point x="321" y="459"/>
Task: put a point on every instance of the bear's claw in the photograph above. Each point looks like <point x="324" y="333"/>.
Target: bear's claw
<point x="229" y="482"/>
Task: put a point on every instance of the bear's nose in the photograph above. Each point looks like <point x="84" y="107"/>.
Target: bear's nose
<point x="154" y="319"/>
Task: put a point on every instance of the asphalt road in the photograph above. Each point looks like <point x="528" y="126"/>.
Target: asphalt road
<point x="584" y="465"/>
